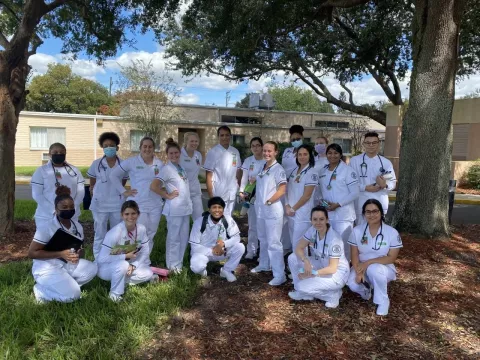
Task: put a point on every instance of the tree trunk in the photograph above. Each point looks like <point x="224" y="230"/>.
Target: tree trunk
<point x="426" y="143"/>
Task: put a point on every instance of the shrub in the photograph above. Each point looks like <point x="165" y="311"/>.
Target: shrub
<point x="472" y="177"/>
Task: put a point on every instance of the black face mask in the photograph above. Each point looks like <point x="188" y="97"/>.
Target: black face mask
<point x="66" y="214"/>
<point x="58" y="158"/>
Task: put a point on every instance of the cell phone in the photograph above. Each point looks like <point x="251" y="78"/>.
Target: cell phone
<point x="138" y="249"/>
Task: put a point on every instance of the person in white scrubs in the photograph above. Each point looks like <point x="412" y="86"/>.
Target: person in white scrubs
<point x="59" y="274"/>
<point x="222" y="165"/>
<point x="106" y="199"/>
<point x="339" y="186"/>
<point x="124" y="258"/>
<point x="374" y="247"/>
<point x="251" y="167"/>
<point x="141" y="170"/>
<point x="191" y="160"/>
<point x="270" y="188"/>
<point x="323" y="272"/>
<point x="216" y="237"/>
<point x="48" y="177"/>
<point x="376" y="174"/>
<point x="321" y="161"/>
<point x="302" y="182"/>
<point x="172" y="184"/>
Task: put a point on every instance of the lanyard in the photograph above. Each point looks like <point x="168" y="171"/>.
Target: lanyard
<point x="266" y="171"/>
<point x="76" y="233"/>
<point x="333" y="176"/>
<point x="299" y="176"/>
<point x="131" y="236"/>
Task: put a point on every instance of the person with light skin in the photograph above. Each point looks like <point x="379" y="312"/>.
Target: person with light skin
<point x="172" y="185"/>
<point x="374" y="247"/>
<point x="251" y="167"/>
<point x="222" y="165"/>
<point x="339" y="186"/>
<point x="324" y="271"/>
<point x="299" y="201"/>
<point x="125" y="268"/>
<point x="141" y="170"/>
<point x="54" y="280"/>
<point x="321" y="143"/>
<point x="48" y="177"/>
<point x="191" y="160"/>
<point x="376" y="174"/>
<point x="106" y="200"/>
<point x="270" y="188"/>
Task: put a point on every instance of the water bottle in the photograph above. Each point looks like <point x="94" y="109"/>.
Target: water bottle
<point x="245" y="207"/>
<point x="71" y="266"/>
<point x="302" y="270"/>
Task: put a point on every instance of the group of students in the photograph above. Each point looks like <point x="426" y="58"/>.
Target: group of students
<point x="308" y="205"/>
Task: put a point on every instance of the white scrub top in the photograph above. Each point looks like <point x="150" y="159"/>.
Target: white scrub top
<point x="369" y="249"/>
<point x="43" y="236"/>
<point x="192" y="166"/>
<point x="320" y="163"/>
<point x="173" y="178"/>
<point x="289" y="160"/>
<point x="296" y="187"/>
<point x="141" y="176"/>
<point x="344" y="190"/>
<point x="251" y="167"/>
<point x="206" y="241"/>
<point x="106" y="198"/>
<point x="268" y="181"/>
<point x="224" y="164"/>
<point x="44" y="182"/>
<point x="330" y="247"/>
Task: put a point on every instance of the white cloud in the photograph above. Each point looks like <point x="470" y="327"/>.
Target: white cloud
<point x="188" y="99"/>
<point x="85" y="68"/>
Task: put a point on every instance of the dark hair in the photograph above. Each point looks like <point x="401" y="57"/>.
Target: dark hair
<point x="311" y="159"/>
<point x="322" y="209"/>
<point x="274" y="143"/>
<point x="108" y="136"/>
<point x="147" y="138"/>
<point x="296" y="129"/>
<point x="57" y="145"/>
<point x="335" y="147"/>
<point x="224" y="127"/>
<point x="171" y="144"/>
<point x="216" y="200"/>
<point x="377" y="204"/>
<point x="130" y="204"/>
<point x="256" y="138"/>
<point x="63" y="192"/>
<point x="371" y="134"/>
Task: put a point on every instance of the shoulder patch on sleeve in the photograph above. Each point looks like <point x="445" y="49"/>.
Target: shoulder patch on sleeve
<point x="354" y="175"/>
<point x="315" y="177"/>
<point x="336" y="250"/>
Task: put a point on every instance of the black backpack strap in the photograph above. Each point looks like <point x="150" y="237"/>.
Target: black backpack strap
<point x="225" y="225"/>
<point x="204" y="222"/>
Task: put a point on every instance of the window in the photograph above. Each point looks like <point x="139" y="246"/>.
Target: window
<point x="238" y="139"/>
<point x="135" y="137"/>
<point x="332" y="124"/>
<point x="41" y="137"/>
<point x="346" y="145"/>
<point x="240" y="120"/>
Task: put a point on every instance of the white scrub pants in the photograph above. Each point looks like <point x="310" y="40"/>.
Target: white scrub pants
<point x="344" y="229"/>
<point x="116" y="273"/>
<point x="60" y="285"/>
<point x="297" y="230"/>
<point x="100" y="221"/>
<point x="360" y="219"/>
<point x="229" y="205"/>
<point x="150" y="219"/>
<point x="199" y="261"/>
<point x="177" y="239"/>
<point x="378" y="276"/>
<point x="252" y="245"/>
<point x="271" y="249"/>
<point x="197" y="206"/>
<point x="320" y="287"/>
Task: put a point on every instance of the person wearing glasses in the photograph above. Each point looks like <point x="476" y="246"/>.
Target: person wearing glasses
<point x="319" y="266"/>
<point x="222" y="165"/>
<point x="106" y="199"/>
<point x="47" y="178"/>
<point x="374" y="249"/>
<point x="376" y="173"/>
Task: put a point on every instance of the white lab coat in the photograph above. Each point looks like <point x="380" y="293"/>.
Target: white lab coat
<point x="192" y="166"/>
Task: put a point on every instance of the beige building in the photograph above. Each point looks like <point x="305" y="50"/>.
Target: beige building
<point x="36" y="130"/>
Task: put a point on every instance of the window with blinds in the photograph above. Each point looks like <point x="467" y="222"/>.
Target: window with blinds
<point x="42" y="137"/>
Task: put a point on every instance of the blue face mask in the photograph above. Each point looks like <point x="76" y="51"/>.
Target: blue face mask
<point x="297" y="143"/>
<point x="110" y="151"/>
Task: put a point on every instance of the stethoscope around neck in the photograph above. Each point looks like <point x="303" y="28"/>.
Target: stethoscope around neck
<point x="364" y="166"/>
<point x="379" y="236"/>
<point x="68" y="169"/>
<point x="315" y="245"/>
<point x="104" y="168"/>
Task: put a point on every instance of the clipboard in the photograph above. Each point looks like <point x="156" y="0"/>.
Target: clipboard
<point x="63" y="240"/>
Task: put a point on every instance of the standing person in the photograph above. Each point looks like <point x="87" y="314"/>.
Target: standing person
<point x="374" y="247"/>
<point x="47" y="178"/>
<point x="321" y="143"/>
<point x="141" y="170"/>
<point x="191" y="160"/>
<point x="216" y="237"/>
<point x="323" y="273"/>
<point x="55" y="278"/>
<point x="124" y="257"/>
<point x="106" y="199"/>
<point x="376" y="173"/>
<point x="270" y="188"/>
<point x="299" y="201"/>
<point x="222" y="166"/>
<point x="251" y="167"/>
<point x="339" y="184"/>
<point x="172" y="184"/>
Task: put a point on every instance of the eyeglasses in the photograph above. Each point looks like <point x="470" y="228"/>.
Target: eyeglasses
<point x="372" y="212"/>
<point x="368" y="143"/>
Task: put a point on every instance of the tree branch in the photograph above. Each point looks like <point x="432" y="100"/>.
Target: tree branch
<point x="4" y="41"/>
<point x="54" y="4"/>
<point x="350" y="94"/>
<point x="343" y="3"/>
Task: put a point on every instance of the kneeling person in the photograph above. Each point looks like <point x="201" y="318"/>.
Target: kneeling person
<point x="215" y="237"/>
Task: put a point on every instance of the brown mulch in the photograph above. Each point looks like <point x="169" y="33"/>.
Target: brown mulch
<point x="467" y="191"/>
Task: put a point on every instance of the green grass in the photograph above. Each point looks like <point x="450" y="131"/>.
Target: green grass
<point x="92" y="327"/>
<point x="25" y="210"/>
<point x="29" y="170"/>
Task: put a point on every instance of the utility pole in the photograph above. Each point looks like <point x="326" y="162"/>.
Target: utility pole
<point x="111" y="83"/>
<point x="227" y="97"/>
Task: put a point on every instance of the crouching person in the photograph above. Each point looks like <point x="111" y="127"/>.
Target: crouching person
<point x="215" y="237"/>
<point x="124" y="256"/>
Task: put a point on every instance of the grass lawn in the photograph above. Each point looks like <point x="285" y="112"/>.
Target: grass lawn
<point x="93" y="327"/>
<point x="29" y="170"/>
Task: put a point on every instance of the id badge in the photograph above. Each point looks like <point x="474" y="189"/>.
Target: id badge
<point x="234" y="160"/>
<point x="58" y="174"/>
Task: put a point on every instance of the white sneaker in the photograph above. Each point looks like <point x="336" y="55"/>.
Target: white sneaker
<point x="154" y="279"/>
<point x="382" y="309"/>
<point x="250" y="256"/>
<point x="227" y="275"/>
<point x="204" y="273"/>
<point x="115" y="297"/>
<point x="259" y="269"/>
<point x="296" y="295"/>
<point x="367" y="293"/>
<point x="177" y="270"/>
<point x="335" y="301"/>
<point x="277" y="281"/>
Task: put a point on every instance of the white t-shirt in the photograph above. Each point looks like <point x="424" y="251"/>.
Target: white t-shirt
<point x="106" y="198"/>
<point x="268" y="181"/>
<point x="289" y="160"/>
<point x="296" y="187"/>
<point x="251" y="167"/>
<point x="192" y="166"/>
<point x="224" y="164"/>
<point x="175" y="178"/>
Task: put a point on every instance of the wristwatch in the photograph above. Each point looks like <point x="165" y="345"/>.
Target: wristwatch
<point x="269" y="203"/>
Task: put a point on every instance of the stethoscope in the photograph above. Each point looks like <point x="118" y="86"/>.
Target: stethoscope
<point x="380" y="235"/>
<point x="334" y="173"/>
<point x="67" y="167"/>
<point x="301" y="173"/>
<point x="315" y="245"/>
<point x="104" y="168"/>
<point x="181" y="172"/>
<point x="76" y="232"/>
<point x="266" y="171"/>
<point x="364" y="167"/>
